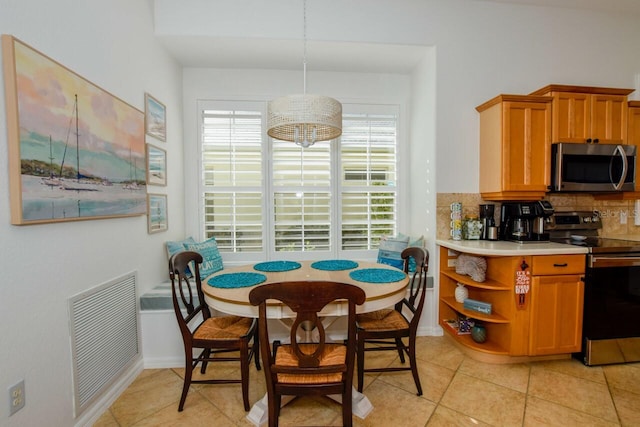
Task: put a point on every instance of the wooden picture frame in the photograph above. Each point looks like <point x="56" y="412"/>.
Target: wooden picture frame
<point x="157" y="219"/>
<point x="156" y="165"/>
<point x="155" y="118"/>
<point x="76" y="152"/>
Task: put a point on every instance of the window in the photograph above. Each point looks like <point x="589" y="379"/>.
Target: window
<point x="263" y="197"/>
<point x="232" y="177"/>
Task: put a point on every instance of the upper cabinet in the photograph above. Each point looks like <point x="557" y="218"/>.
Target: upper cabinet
<point x="583" y="114"/>
<point x="515" y="147"/>
<point x="633" y="138"/>
<point x="633" y="134"/>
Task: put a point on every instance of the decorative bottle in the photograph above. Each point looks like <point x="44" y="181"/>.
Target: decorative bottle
<point x="461" y="293"/>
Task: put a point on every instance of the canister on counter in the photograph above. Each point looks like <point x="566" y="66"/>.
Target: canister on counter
<point x="471" y="228"/>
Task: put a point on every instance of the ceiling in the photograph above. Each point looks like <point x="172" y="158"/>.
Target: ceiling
<point x="627" y="6"/>
<point x="243" y="53"/>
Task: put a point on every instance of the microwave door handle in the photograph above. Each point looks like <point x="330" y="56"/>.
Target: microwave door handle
<point x="625" y="166"/>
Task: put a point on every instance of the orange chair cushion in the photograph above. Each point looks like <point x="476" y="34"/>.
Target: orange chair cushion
<point x="334" y="354"/>
<point x="223" y="328"/>
<point x="382" y="320"/>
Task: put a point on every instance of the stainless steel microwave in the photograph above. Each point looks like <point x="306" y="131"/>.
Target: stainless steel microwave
<point x="596" y="168"/>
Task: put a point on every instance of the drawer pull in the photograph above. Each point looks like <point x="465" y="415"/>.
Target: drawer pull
<point x="560" y="265"/>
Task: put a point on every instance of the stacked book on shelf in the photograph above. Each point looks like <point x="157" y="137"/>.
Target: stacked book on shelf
<point x="460" y="326"/>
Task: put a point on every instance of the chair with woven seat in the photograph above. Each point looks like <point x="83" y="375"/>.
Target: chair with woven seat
<point x="385" y="329"/>
<point x="301" y="367"/>
<point x="215" y="337"/>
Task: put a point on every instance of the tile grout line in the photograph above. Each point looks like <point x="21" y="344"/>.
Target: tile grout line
<point x="613" y="401"/>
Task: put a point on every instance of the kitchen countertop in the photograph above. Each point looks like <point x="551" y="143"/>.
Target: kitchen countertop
<point x="634" y="237"/>
<point x="504" y="248"/>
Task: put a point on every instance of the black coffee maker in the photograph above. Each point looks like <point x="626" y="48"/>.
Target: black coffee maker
<point x="487" y="220"/>
<point x="524" y="221"/>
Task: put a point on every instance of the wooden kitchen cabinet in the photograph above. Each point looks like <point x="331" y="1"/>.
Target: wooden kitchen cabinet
<point x="582" y="114"/>
<point x="633" y="125"/>
<point x="633" y="138"/>
<point x="545" y="321"/>
<point x="515" y="147"/>
<point x="557" y="294"/>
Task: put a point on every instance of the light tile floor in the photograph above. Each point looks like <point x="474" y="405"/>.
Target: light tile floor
<point x="458" y="391"/>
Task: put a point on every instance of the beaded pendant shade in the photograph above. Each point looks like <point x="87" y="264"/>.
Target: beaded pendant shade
<point x="304" y="118"/>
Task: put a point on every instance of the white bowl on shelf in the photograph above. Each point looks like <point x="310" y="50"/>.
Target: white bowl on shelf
<point x="578" y="237"/>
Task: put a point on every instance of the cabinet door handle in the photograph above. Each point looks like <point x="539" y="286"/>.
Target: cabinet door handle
<point x="588" y="140"/>
<point x="560" y="265"/>
<point x="595" y="141"/>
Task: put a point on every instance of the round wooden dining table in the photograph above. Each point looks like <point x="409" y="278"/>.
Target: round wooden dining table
<point x="228" y="290"/>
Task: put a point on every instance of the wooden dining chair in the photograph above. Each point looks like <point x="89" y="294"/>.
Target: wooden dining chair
<point x="214" y="336"/>
<point x="385" y="329"/>
<point x="301" y="367"/>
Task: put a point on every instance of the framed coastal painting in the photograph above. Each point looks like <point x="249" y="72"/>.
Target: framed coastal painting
<point x="157" y="213"/>
<point x="76" y="152"/>
<point x="155" y="118"/>
<point x="156" y="165"/>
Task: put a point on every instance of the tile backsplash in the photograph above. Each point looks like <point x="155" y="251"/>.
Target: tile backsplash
<point x="610" y="211"/>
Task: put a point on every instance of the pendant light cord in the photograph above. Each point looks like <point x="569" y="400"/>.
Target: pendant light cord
<point x="304" y="119"/>
<point x="304" y="50"/>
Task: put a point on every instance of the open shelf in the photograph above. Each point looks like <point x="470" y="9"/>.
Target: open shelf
<point x="488" y="284"/>
<point x="488" y="346"/>
<point x="458" y="307"/>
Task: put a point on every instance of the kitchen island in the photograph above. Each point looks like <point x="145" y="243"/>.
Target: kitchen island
<point x="535" y="292"/>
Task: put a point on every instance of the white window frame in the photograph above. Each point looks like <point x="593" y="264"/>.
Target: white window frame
<point x="268" y="252"/>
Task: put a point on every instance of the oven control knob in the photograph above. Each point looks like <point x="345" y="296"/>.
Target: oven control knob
<point x="586" y="219"/>
<point x="595" y="218"/>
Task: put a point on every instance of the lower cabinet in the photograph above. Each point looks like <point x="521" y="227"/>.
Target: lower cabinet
<point x="556" y="314"/>
<point x="536" y="305"/>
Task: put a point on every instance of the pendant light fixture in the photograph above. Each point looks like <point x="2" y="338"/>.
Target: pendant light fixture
<point x="304" y="119"/>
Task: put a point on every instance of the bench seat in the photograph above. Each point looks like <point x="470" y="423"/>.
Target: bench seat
<point x="159" y="298"/>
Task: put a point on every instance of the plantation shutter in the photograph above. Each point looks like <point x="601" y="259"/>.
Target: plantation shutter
<point x="270" y="199"/>
<point x="368" y="178"/>
<point x="232" y="168"/>
<point x="302" y="196"/>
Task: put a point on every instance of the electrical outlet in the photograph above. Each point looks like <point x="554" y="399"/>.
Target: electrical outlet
<point x="16" y="397"/>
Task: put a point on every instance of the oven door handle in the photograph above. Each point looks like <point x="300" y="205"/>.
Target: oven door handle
<point x="596" y="261"/>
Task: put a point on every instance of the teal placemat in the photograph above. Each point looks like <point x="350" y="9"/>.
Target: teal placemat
<point x="277" y="266"/>
<point x="377" y="275"/>
<point x="236" y="280"/>
<point x="334" y="264"/>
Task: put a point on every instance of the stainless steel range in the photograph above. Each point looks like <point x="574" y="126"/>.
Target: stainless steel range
<point x="611" y="324"/>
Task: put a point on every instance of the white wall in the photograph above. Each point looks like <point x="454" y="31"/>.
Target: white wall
<point x="112" y="45"/>
<point x="483" y="49"/>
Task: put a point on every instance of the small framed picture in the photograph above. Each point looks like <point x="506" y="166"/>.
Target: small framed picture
<point x="156" y="166"/>
<point x="155" y="118"/>
<point x="157" y="213"/>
